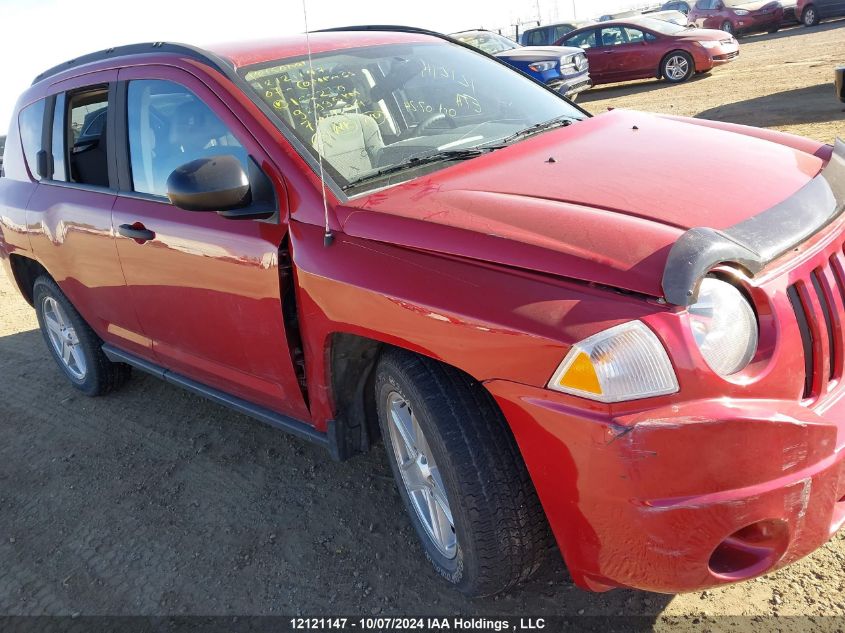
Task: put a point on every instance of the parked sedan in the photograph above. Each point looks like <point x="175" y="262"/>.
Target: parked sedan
<point x="811" y="12"/>
<point x="564" y="69"/>
<point x="737" y="16"/>
<point x="639" y="48"/>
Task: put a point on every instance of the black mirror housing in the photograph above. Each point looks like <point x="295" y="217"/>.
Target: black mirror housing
<point x="218" y="183"/>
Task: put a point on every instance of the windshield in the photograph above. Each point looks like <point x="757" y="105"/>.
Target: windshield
<point x="379" y="107"/>
<point x="660" y="26"/>
<point x="488" y="42"/>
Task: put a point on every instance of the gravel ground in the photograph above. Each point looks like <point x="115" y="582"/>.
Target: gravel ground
<point x="153" y="501"/>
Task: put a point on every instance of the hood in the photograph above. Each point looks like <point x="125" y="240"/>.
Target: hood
<point x="697" y="35"/>
<point x="538" y="53"/>
<point x="756" y="6"/>
<point x="601" y="201"/>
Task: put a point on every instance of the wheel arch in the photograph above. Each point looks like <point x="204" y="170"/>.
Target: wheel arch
<point x="25" y="270"/>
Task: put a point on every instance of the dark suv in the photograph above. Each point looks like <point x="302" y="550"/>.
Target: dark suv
<point x="381" y="234"/>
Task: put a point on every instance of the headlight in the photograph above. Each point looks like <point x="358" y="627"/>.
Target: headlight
<point x="541" y="67"/>
<point x="741" y="12"/>
<point x="724" y="327"/>
<point x="626" y="362"/>
<point x="711" y="43"/>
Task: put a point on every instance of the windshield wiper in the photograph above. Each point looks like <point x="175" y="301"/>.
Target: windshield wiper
<point x="426" y="159"/>
<point x="560" y="121"/>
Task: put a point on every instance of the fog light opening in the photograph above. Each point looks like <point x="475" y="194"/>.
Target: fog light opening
<point x="751" y="551"/>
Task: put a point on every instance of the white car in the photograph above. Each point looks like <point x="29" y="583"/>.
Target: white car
<point x="675" y="17"/>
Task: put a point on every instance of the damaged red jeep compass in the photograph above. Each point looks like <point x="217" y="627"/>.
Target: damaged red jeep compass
<point x="381" y="233"/>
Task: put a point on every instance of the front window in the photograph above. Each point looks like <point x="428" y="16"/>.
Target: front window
<point x="377" y="108"/>
<point x="490" y="43"/>
<point x="170" y="126"/>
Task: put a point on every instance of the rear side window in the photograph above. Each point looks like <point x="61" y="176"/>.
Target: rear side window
<point x="31" y="122"/>
<point x="536" y="37"/>
<point x="168" y="127"/>
<point x="86" y="131"/>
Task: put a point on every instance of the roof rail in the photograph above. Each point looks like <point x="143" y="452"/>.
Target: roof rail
<point x="136" y="49"/>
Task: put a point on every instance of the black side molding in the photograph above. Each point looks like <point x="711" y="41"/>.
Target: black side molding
<point x="757" y="241"/>
<point x="289" y="425"/>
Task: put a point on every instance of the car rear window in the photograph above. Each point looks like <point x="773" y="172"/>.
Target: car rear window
<point x="31" y="121"/>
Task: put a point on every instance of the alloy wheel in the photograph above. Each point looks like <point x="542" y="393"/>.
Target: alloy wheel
<point x="677" y="67"/>
<point x="421" y="475"/>
<point x="64" y="338"/>
<point x="728" y="27"/>
<point x="810" y="17"/>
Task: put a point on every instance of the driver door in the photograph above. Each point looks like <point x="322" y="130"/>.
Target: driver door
<point x="206" y="289"/>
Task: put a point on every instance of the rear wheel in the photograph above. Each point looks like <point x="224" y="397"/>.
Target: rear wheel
<point x="810" y="17"/>
<point x="73" y="344"/>
<point x="460" y="475"/>
<point x="677" y="67"/>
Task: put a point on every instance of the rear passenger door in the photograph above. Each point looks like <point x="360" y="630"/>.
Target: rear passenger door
<point x="599" y="64"/>
<point x="207" y="289"/>
<point x="69" y="215"/>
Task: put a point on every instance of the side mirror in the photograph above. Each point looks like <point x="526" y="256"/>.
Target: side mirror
<point x="220" y="184"/>
<point x="840" y="83"/>
<point x="209" y="184"/>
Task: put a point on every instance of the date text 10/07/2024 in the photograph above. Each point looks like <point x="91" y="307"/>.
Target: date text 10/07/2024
<point x="417" y="624"/>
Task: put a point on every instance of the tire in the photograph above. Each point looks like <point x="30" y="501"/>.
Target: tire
<point x="774" y="29"/>
<point x="677" y="67"/>
<point x="727" y="27"/>
<point x="810" y="17"/>
<point x="498" y="533"/>
<point x="69" y="337"/>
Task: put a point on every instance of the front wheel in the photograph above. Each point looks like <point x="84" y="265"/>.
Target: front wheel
<point x="678" y="67"/>
<point x="728" y="27"/>
<point x="73" y="344"/>
<point x="460" y="475"/>
<point x="810" y="17"/>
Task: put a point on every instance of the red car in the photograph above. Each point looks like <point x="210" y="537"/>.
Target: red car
<point x="640" y="48"/>
<point x="398" y="237"/>
<point x="737" y="16"/>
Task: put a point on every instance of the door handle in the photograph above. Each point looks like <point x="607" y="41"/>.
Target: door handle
<point x="137" y="232"/>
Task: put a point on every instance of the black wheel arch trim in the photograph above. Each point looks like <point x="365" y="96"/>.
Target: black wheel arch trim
<point x="759" y="240"/>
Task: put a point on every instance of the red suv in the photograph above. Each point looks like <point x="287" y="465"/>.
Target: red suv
<point x="737" y="16"/>
<point x="386" y="234"/>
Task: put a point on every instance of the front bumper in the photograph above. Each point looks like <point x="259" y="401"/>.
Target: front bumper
<point x="571" y="86"/>
<point x="683" y="497"/>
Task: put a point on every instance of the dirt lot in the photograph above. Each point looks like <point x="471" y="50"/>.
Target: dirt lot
<point x="153" y="501"/>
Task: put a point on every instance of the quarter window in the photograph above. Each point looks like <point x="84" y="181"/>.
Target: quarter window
<point x="31" y="123"/>
<point x="168" y="127"/>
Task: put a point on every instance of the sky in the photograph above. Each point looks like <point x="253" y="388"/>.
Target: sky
<point x="38" y="34"/>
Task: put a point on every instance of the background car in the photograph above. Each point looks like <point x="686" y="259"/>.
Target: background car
<point x="639" y="48"/>
<point x="840" y="84"/>
<point x="2" y="149"/>
<point x="683" y="7"/>
<point x="675" y="17"/>
<point x="546" y="35"/>
<point x="811" y="12"/>
<point x="737" y="16"/>
<point x="564" y="69"/>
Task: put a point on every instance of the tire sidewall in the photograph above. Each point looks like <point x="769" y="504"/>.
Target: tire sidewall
<point x="43" y="290"/>
<point x="730" y="30"/>
<point x="388" y="379"/>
